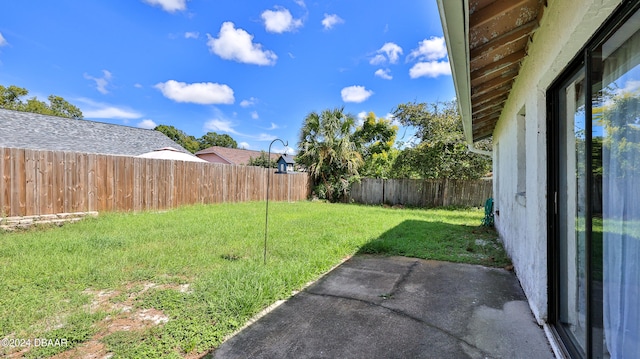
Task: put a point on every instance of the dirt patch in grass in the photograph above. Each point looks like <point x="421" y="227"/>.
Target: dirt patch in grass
<point x="123" y="316"/>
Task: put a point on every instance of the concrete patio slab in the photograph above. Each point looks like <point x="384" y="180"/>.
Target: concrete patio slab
<point x="397" y="307"/>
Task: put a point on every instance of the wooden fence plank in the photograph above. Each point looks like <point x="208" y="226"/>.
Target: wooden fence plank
<point x="18" y="190"/>
<point x="5" y="182"/>
<point x="91" y="188"/>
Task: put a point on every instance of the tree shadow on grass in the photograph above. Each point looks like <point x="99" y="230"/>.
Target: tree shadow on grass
<point x="440" y="241"/>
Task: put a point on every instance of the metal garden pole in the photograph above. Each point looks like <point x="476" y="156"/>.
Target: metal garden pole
<point x="266" y="220"/>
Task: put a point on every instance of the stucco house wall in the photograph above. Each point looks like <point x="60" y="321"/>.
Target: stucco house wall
<point x="520" y="146"/>
<point x="213" y="158"/>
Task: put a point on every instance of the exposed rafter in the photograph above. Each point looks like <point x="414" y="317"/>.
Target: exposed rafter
<point x="499" y="33"/>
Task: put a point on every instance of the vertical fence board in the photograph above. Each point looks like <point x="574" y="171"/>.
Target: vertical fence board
<point x="5" y="182"/>
<point x="91" y="189"/>
<point x="80" y="193"/>
<point x="18" y="190"/>
<point x="43" y="183"/>
<point x="30" y="167"/>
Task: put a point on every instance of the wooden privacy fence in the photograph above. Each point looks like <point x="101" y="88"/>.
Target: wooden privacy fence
<point x="34" y="182"/>
<point x="422" y="193"/>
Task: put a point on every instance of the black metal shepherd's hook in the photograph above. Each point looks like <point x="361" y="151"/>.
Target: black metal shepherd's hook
<point x="266" y="220"/>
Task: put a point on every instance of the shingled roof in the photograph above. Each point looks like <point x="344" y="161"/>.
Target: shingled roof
<point x="234" y="156"/>
<point x="42" y="132"/>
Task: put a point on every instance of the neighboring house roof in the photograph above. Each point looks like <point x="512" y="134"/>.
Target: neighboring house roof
<point x="234" y="156"/>
<point x="42" y="132"/>
<point x="486" y="42"/>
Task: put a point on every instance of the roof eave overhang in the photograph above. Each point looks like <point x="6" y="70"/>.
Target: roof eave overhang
<point x="452" y="14"/>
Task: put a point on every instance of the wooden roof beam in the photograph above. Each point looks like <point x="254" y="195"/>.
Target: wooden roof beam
<point x="486" y="123"/>
<point x="498" y="65"/>
<point x="505" y="40"/>
<point x="511" y="70"/>
<point x="487" y="14"/>
<point x="489" y="97"/>
<point x="492" y="84"/>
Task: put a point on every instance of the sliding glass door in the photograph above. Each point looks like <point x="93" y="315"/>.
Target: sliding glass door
<point x="571" y="206"/>
<point x="595" y="188"/>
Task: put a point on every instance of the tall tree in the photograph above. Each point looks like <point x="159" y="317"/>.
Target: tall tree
<point x="375" y="139"/>
<point x="213" y="139"/>
<point x="188" y="142"/>
<point x="328" y="151"/>
<point x="60" y="107"/>
<point x="11" y="99"/>
<point x="442" y="151"/>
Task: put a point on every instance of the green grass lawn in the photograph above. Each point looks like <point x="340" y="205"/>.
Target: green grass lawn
<point x="200" y="269"/>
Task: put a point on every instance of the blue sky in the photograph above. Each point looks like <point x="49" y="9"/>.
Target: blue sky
<point x="251" y="69"/>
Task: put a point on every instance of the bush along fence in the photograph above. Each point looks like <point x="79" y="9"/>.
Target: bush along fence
<point x="422" y="193"/>
<point x="36" y="182"/>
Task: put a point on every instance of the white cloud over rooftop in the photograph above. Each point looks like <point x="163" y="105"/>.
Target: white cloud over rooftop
<point x="101" y="82"/>
<point x="93" y="109"/>
<point x="203" y="93"/>
<point x="148" y="124"/>
<point x="237" y="44"/>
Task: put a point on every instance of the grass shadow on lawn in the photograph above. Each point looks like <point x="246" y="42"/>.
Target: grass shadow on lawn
<point x="440" y="241"/>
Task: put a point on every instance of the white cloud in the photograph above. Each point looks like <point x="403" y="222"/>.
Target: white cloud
<point x="329" y="21"/>
<point x="360" y="118"/>
<point x="191" y="35"/>
<point x="393" y="119"/>
<point x="430" y="69"/>
<point x="249" y="102"/>
<point x="430" y="49"/>
<point x="631" y="86"/>
<point x="274" y="126"/>
<point x="254" y="115"/>
<point x="237" y="44"/>
<point x="111" y="112"/>
<point x="220" y="125"/>
<point x="3" y="41"/>
<point x="93" y="109"/>
<point x="355" y="94"/>
<point x="244" y="145"/>
<point x="204" y="93"/>
<point x="138" y="86"/>
<point x="148" y="124"/>
<point x="300" y="3"/>
<point x="384" y="74"/>
<point x="378" y="60"/>
<point x="388" y="52"/>
<point x="280" y="20"/>
<point x="264" y="137"/>
<point x="101" y="82"/>
<point x="169" y="5"/>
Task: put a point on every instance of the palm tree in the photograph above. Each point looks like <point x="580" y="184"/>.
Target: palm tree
<point x="328" y="151"/>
